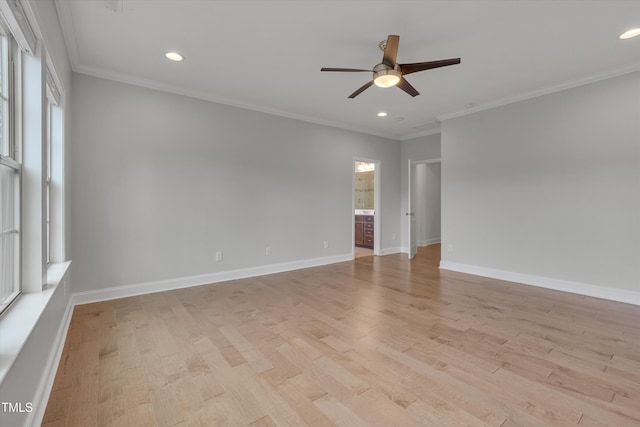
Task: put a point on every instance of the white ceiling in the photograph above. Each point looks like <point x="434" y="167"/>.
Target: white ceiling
<point x="267" y="55"/>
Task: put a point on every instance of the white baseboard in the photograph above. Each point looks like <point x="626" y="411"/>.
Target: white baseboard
<point x="203" y="279"/>
<point x="389" y="251"/>
<point x="429" y="242"/>
<point x="613" y="294"/>
<point x="43" y="392"/>
<point x="405" y="249"/>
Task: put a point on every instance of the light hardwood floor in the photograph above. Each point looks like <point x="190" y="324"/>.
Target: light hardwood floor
<point x="379" y="341"/>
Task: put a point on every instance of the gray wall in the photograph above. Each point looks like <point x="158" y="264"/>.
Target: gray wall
<point x="423" y="148"/>
<point x="161" y="182"/>
<point x="549" y="186"/>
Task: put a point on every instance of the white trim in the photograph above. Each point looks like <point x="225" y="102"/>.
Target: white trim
<point x="17" y="323"/>
<point x="405" y="250"/>
<point x="420" y="134"/>
<point x="22" y="317"/>
<point x="613" y="294"/>
<point x="208" y="96"/>
<point x="68" y="31"/>
<point x="56" y="272"/>
<point x="33" y="19"/>
<point x="427" y="161"/>
<point x="20" y="24"/>
<point x="45" y="386"/>
<point x="539" y="92"/>
<point x="204" y="279"/>
<point x="429" y="242"/>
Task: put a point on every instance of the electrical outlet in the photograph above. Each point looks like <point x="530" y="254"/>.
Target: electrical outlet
<point x="326" y="244"/>
<point x="267" y="251"/>
<point x="218" y="256"/>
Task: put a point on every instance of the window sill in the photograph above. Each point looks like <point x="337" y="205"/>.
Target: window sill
<point x="17" y="323"/>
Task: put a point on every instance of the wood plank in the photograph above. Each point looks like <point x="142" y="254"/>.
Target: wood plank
<point x="255" y="359"/>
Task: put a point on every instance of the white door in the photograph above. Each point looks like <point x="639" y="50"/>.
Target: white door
<point x="411" y="217"/>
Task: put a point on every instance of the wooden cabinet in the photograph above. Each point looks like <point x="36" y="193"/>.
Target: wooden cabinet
<point x="364" y="234"/>
<point x="359" y="238"/>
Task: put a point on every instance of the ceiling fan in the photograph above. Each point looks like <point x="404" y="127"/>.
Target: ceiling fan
<point x="389" y="73"/>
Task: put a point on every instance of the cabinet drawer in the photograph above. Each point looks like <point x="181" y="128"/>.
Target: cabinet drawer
<point x="368" y="226"/>
<point x="368" y="218"/>
<point x="359" y="218"/>
<point x="368" y="232"/>
<point x="368" y="240"/>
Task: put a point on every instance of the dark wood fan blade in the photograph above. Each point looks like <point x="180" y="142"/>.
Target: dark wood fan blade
<point x="348" y="70"/>
<point x="406" y="86"/>
<point x="422" y="66"/>
<point x="362" y="89"/>
<point x="391" y="51"/>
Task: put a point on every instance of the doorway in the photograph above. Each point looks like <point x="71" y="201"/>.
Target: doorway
<point x="424" y="204"/>
<point x="366" y="196"/>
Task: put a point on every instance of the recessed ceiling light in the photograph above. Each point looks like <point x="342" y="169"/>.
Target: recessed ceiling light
<point x="382" y="114"/>
<point x="174" y="56"/>
<point x="629" y="34"/>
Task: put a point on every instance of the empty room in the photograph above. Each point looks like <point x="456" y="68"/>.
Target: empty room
<point x="319" y="213"/>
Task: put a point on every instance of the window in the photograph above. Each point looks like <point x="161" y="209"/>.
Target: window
<point x="10" y="188"/>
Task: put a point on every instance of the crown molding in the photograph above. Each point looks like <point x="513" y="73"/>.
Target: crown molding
<point x="206" y="96"/>
<point x="539" y="92"/>
<point x="68" y="31"/>
<point x="420" y="134"/>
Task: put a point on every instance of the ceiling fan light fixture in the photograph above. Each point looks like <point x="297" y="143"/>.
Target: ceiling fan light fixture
<point x="386" y="80"/>
<point x="384" y="76"/>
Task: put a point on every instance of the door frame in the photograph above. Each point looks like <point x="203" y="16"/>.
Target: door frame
<point x="413" y="163"/>
<point x="376" y="204"/>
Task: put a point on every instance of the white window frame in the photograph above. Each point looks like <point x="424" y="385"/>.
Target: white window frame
<point x="14" y="258"/>
<point x="11" y="159"/>
<point x="48" y="156"/>
<point x="54" y="179"/>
